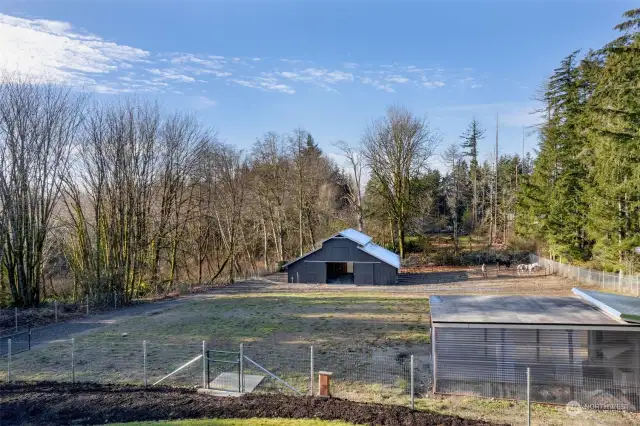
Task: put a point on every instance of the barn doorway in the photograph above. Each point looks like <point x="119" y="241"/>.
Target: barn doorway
<point x="339" y="272"/>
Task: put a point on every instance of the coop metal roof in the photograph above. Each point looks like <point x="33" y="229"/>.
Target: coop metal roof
<point x="366" y="244"/>
<point x="519" y="311"/>
<point x="625" y="308"/>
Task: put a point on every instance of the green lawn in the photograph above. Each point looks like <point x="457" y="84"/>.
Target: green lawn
<point x="241" y="422"/>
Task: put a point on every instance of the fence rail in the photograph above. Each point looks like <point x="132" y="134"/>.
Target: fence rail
<point x="627" y="284"/>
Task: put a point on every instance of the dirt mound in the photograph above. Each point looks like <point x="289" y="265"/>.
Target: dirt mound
<point x="62" y="404"/>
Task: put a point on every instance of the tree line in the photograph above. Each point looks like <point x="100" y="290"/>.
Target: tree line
<point x="581" y="202"/>
<point x="123" y="197"/>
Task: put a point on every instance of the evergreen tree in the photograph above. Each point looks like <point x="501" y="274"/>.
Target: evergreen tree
<point x="614" y="140"/>
<point x="470" y="142"/>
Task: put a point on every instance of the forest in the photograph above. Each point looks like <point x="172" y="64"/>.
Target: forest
<point x="126" y="197"/>
<point x="581" y="202"/>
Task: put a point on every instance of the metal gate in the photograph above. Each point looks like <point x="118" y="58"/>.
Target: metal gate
<point x="224" y="370"/>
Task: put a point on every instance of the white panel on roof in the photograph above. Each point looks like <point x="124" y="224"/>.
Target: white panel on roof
<point x="626" y="308"/>
<point x="383" y="254"/>
<point x="356" y="236"/>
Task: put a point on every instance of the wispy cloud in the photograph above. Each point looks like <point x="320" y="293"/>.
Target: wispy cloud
<point x="320" y="77"/>
<point x="266" y="83"/>
<point x="397" y="79"/>
<point x="377" y="84"/>
<point x="55" y="52"/>
<point x="469" y="82"/>
<point x="58" y="52"/>
<point x="171" y="75"/>
<point x="433" y="84"/>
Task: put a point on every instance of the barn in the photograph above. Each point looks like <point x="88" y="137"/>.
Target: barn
<point x="348" y="257"/>
<point x="584" y="347"/>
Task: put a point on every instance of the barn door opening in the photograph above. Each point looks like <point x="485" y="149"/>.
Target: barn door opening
<point x="340" y="272"/>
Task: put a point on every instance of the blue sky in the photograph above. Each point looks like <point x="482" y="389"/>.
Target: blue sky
<point x="331" y="67"/>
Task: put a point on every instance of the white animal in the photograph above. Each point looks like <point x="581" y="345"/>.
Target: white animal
<point x="531" y="267"/>
<point x="484" y="271"/>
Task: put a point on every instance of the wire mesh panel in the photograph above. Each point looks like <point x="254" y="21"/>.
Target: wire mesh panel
<point x="52" y="362"/>
<point x="566" y="365"/>
<point x="367" y="376"/>
<point x="277" y="369"/>
<point x="109" y="362"/>
<point x="20" y="341"/>
<point x="174" y="364"/>
<point x="628" y="284"/>
<point x="223" y="370"/>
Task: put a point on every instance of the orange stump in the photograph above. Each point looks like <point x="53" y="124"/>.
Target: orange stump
<point x="325" y="383"/>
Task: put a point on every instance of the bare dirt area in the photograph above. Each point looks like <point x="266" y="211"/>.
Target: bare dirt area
<point x="63" y="404"/>
<point x="426" y="281"/>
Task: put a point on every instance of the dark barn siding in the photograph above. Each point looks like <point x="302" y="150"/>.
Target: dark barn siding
<point x="312" y="268"/>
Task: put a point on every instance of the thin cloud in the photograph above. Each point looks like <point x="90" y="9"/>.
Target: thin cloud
<point x="171" y="75"/>
<point x="377" y="84"/>
<point x="53" y="51"/>
<point x="433" y="84"/>
<point x="397" y="79"/>
<point x="268" y="84"/>
<point x="322" y="78"/>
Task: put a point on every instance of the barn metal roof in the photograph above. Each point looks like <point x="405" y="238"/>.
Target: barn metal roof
<point x="383" y="254"/>
<point x="366" y="244"/>
<point x="355" y="236"/>
<point x="518" y="310"/>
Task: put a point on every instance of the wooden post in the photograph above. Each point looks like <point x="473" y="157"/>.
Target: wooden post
<point x="325" y="383"/>
<point x="312" y="373"/>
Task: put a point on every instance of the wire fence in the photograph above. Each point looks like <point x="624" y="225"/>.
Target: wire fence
<point x="399" y="379"/>
<point x="263" y="369"/>
<point x="627" y="284"/>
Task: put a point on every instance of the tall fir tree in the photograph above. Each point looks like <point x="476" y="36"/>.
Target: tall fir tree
<point x="613" y="116"/>
<point x="470" y="138"/>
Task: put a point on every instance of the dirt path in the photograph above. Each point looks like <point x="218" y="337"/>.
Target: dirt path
<point x="66" y="330"/>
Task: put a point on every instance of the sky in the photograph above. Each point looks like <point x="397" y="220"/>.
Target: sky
<point x="331" y="67"/>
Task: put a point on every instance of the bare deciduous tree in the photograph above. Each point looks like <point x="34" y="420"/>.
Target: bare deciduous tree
<point x="38" y="125"/>
<point x="397" y="148"/>
<point x="354" y="158"/>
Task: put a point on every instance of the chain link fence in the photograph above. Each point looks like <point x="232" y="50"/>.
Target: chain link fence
<point x="627" y="284"/>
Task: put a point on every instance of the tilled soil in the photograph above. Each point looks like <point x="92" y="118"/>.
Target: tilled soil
<point x="63" y="404"/>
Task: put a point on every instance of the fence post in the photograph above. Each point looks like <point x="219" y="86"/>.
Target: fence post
<point x="9" y="360"/>
<point x="603" y="279"/>
<point x="115" y="300"/>
<point x="16" y="311"/>
<point x="412" y="388"/>
<point x="312" y="372"/>
<point x="528" y="396"/>
<point x="87" y="300"/>
<point x="204" y="364"/>
<point x="144" y="361"/>
<point x="73" y="360"/>
<point x="55" y="309"/>
<point x="241" y="378"/>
